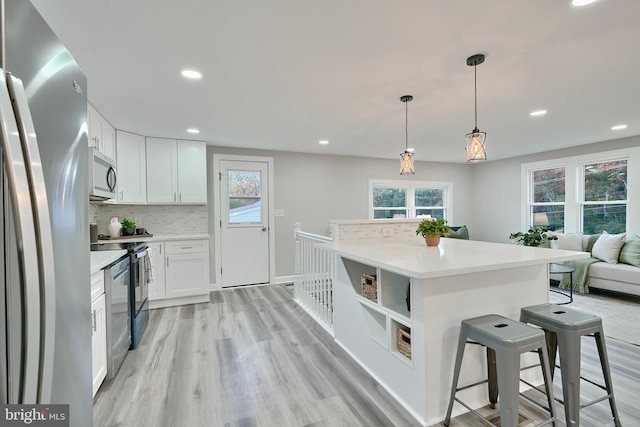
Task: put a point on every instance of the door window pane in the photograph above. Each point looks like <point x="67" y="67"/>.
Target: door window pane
<point x="245" y="193"/>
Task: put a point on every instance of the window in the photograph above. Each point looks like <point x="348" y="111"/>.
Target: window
<point x="547" y="190"/>
<point x="590" y="193"/>
<point x="245" y="194"/>
<point x="409" y="199"/>
<point x="604" y="201"/>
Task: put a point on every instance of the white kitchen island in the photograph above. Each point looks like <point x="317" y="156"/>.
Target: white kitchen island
<point x="456" y="280"/>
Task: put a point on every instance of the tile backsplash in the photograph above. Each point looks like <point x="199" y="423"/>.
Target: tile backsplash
<point x="166" y="219"/>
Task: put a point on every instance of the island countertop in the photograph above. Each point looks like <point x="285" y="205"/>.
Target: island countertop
<point x="413" y="258"/>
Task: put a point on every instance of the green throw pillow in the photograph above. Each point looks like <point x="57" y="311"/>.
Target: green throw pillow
<point x="630" y="253"/>
<point x="461" y="233"/>
<point x="591" y="242"/>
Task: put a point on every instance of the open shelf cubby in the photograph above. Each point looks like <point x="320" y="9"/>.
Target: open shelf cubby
<point x="393" y="290"/>
<point x="377" y="325"/>
<point x="355" y="270"/>
<point x="395" y="337"/>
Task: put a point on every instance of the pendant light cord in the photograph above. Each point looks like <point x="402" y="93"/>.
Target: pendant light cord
<point x="475" y="94"/>
<point x="406" y="126"/>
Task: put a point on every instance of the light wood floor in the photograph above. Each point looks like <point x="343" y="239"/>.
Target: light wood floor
<point x="252" y="357"/>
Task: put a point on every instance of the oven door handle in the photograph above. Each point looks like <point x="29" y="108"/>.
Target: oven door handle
<point x="141" y="253"/>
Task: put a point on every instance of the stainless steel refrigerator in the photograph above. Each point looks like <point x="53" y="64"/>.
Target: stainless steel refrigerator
<point x="45" y="325"/>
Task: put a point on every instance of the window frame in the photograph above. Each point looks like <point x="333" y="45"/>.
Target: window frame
<point x="574" y="186"/>
<point x="531" y="203"/>
<point x="410" y="187"/>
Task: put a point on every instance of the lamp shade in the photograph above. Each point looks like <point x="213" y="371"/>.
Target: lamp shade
<point x="475" y="146"/>
<point x="406" y="163"/>
<point x="540" y="218"/>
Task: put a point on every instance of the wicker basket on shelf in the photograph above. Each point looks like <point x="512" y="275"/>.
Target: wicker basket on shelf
<point x="370" y="287"/>
<point x="404" y="342"/>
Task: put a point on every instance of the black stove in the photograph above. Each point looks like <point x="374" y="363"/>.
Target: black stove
<point x="130" y="247"/>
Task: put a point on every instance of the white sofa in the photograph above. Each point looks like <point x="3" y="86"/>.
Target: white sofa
<point x="619" y="277"/>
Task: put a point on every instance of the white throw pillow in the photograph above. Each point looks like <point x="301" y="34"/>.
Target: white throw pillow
<point x="569" y="241"/>
<point x="607" y="247"/>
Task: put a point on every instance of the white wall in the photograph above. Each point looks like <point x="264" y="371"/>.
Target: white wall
<point x="314" y="189"/>
<point x="497" y="184"/>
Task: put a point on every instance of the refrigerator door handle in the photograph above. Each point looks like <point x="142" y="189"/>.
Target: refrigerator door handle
<point x="44" y="238"/>
<point x="18" y="186"/>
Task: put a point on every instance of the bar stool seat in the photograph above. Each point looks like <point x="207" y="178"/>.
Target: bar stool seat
<point x="564" y="328"/>
<point x="509" y="339"/>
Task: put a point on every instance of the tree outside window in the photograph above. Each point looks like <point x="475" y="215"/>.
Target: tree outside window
<point x="604" y="206"/>
<point x="548" y="198"/>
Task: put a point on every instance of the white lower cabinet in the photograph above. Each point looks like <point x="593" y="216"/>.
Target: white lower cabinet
<point x="180" y="272"/>
<point x="98" y="330"/>
<point x="187" y="268"/>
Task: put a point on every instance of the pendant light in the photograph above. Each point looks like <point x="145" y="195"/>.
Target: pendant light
<point x="475" y="140"/>
<point x="406" y="158"/>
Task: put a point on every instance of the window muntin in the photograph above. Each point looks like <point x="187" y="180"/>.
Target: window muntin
<point x="604" y="201"/>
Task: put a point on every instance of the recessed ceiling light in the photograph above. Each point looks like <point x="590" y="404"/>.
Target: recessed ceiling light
<point x="618" y="127"/>
<point x="323" y="142"/>
<point x="193" y="130"/>
<point x="538" y="113"/>
<point x="191" y="74"/>
<point x="582" y="2"/>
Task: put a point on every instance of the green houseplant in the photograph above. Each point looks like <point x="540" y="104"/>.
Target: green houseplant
<point x="535" y="236"/>
<point x="128" y="227"/>
<point x="431" y="229"/>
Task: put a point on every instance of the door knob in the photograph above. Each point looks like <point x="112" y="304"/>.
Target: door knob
<point x="264" y="228"/>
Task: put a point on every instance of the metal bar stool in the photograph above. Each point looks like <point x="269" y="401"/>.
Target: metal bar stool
<point x="509" y="339"/>
<point x="565" y="328"/>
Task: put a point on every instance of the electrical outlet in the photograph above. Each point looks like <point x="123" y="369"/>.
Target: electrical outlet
<point x="386" y="232"/>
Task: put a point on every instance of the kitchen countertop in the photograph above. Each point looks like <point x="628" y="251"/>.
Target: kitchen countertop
<point x="412" y="258"/>
<point x="161" y="237"/>
<point x="100" y="259"/>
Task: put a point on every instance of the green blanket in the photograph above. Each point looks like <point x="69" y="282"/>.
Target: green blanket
<point x="580" y="276"/>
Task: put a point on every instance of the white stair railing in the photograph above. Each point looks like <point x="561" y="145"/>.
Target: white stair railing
<point x="313" y="286"/>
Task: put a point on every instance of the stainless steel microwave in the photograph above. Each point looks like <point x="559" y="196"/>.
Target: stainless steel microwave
<point x="102" y="176"/>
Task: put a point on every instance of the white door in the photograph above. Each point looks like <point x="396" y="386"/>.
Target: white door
<point x="244" y="222"/>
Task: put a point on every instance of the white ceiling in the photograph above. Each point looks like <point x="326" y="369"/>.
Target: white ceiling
<point x="282" y="74"/>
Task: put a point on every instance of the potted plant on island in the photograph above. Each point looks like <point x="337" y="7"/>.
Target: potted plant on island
<point x="128" y="227"/>
<point x="535" y="236"/>
<point x="431" y="229"/>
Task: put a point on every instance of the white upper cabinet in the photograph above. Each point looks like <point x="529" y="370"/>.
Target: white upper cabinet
<point x="176" y="171"/>
<point x="162" y="170"/>
<point x="101" y="134"/>
<point x="192" y="172"/>
<point x="131" y="168"/>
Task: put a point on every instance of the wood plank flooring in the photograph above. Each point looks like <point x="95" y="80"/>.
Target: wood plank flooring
<point x="252" y="357"/>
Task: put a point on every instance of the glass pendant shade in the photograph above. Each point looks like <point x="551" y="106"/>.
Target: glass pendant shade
<point x="475" y="146"/>
<point x="406" y="163"/>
